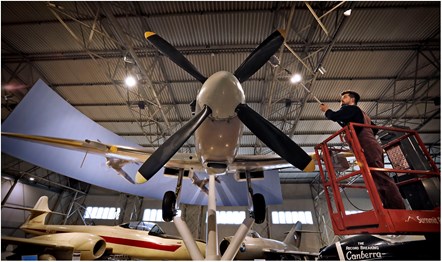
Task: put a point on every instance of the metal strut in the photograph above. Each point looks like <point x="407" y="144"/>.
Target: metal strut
<point x="179" y="184"/>
<point x="212" y="247"/>
<point x="182" y="227"/>
<point x="250" y="195"/>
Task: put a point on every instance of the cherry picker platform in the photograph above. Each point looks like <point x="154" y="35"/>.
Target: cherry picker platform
<point x="410" y="165"/>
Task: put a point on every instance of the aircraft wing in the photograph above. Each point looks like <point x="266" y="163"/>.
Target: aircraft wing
<point x="29" y="246"/>
<point x="127" y="154"/>
<point x="62" y="246"/>
<point x="36" y="242"/>
<point x="46" y="118"/>
<point x="109" y="151"/>
<point x="259" y="162"/>
<point x="269" y="162"/>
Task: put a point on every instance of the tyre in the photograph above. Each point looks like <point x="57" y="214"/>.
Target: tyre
<point x="259" y="208"/>
<point x="169" y="201"/>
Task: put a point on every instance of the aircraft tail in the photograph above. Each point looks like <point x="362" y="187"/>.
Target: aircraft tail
<point x="294" y="235"/>
<point x="38" y="212"/>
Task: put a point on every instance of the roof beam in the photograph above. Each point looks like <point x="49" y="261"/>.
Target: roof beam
<point x="204" y="50"/>
<point x="393" y="5"/>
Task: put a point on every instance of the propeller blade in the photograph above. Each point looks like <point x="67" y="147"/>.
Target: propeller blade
<point x="160" y="157"/>
<point x="275" y="139"/>
<point x="174" y="55"/>
<point x="260" y="55"/>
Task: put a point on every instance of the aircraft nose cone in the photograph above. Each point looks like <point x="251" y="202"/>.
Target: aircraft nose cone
<point x="222" y="92"/>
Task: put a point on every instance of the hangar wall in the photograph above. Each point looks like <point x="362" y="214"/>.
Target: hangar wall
<point x="297" y="197"/>
<point x="22" y="195"/>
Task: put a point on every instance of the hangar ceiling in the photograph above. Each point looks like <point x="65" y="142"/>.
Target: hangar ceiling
<point x="388" y="51"/>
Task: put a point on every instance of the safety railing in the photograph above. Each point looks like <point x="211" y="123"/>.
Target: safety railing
<point x="342" y="182"/>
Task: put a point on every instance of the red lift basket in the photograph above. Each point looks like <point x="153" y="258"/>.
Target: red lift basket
<point x="337" y="178"/>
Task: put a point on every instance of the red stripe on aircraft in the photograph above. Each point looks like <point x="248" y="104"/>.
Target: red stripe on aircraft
<point x="126" y="242"/>
<point x="139" y="243"/>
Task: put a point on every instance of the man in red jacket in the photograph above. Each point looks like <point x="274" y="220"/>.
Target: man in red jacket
<point x="350" y="112"/>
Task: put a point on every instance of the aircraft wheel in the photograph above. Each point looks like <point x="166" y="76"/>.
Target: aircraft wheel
<point x="169" y="201"/>
<point x="259" y="208"/>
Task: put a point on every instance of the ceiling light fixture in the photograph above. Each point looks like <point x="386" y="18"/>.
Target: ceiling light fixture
<point x="348" y="12"/>
<point x="322" y="70"/>
<point x="130" y="81"/>
<point x="296" y="78"/>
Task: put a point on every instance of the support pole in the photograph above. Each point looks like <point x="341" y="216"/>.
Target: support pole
<point x="250" y="194"/>
<point x="308" y="91"/>
<point x="212" y="252"/>
<point x="178" y="189"/>
<point x="299" y="58"/>
<point x="10" y="191"/>
<point x="190" y="243"/>
<point x="240" y="234"/>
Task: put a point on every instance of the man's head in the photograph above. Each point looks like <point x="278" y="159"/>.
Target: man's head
<point x="349" y="98"/>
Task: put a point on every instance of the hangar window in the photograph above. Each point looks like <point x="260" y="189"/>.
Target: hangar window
<point x="154" y="215"/>
<point x="222" y="217"/>
<point x="102" y="213"/>
<point x="291" y="217"/>
<point x="230" y="217"/>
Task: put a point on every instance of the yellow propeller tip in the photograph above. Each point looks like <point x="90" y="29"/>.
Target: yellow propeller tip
<point x="149" y="34"/>
<point x="310" y="167"/>
<point x="282" y="32"/>
<point x="139" y="179"/>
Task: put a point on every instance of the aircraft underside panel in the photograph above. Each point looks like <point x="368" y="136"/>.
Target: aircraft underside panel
<point x="43" y="112"/>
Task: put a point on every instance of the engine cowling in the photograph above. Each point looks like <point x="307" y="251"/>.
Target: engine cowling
<point x="89" y="246"/>
<point x="245" y="252"/>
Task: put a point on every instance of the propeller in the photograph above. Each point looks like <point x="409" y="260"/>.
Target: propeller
<point x="263" y="129"/>
<point x="260" y="55"/>
<point x="274" y="138"/>
<point x="157" y="160"/>
<point x="173" y="54"/>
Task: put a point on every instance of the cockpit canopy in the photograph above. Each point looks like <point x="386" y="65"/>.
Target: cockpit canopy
<point x="152" y="228"/>
<point x="253" y="234"/>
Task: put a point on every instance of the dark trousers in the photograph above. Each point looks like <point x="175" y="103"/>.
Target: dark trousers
<point x="388" y="191"/>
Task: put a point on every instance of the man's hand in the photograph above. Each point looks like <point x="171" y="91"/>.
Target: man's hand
<point x="323" y="107"/>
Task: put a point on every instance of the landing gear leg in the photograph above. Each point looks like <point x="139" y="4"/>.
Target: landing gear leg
<point x="170" y="207"/>
<point x="257" y="203"/>
<point x="257" y="214"/>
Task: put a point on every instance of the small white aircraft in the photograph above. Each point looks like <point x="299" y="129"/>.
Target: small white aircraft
<point x="220" y="111"/>
<point x="137" y="240"/>
<point x="256" y="247"/>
